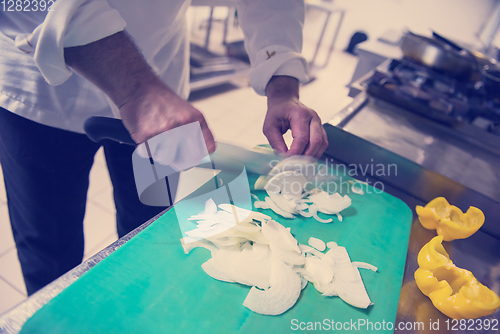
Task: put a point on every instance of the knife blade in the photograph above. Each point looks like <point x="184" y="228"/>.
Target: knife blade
<point x="99" y="128"/>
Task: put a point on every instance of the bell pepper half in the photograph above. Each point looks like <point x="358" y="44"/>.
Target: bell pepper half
<point x="448" y="220"/>
<point x="453" y="291"/>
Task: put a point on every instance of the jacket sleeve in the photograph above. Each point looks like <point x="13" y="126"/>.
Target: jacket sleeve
<point x="273" y="39"/>
<point x="69" y="23"/>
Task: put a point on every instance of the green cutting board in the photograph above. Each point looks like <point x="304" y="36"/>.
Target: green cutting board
<point x="150" y="286"/>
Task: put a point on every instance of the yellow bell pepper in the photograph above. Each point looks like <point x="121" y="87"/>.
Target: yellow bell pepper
<point x="448" y="220"/>
<point x="453" y="291"/>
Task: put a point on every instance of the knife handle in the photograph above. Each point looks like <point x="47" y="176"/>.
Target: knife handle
<point x="99" y="128"/>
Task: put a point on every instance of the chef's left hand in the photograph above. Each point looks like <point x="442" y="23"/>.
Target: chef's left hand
<point x="284" y="112"/>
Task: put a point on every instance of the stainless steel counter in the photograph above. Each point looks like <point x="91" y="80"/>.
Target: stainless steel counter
<point x="431" y="161"/>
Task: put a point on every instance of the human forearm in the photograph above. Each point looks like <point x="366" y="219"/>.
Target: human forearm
<point x="114" y="64"/>
<point x="148" y="107"/>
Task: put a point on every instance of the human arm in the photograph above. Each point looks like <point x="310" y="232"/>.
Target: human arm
<point x="148" y="106"/>
<point x="273" y="39"/>
<point x="85" y="36"/>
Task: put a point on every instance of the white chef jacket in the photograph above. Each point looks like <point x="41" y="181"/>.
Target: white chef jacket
<point x="36" y="83"/>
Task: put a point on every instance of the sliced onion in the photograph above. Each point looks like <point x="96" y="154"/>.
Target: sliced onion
<point x="357" y="190"/>
<point x="331" y="244"/>
<point x="320" y="270"/>
<point x="301" y="206"/>
<point x="303" y="283"/>
<point x="244" y="214"/>
<point x="314" y="210"/>
<point x="329" y="290"/>
<point x="188" y="243"/>
<point x="284" y="204"/>
<point x="220" y="217"/>
<point x="205" y="233"/>
<point x="225" y="242"/>
<point x="347" y="279"/>
<point x="305" y="214"/>
<point x="283" y="293"/>
<point x="245" y="267"/>
<point x="276" y="209"/>
<point x="364" y="265"/>
<point x="261" y="205"/>
<point x="210" y="207"/>
<point x="330" y="204"/>
<point x="309" y="250"/>
<point x="317" y="243"/>
<point x="280" y="236"/>
<point x="212" y="268"/>
<point x="260" y="250"/>
<point x="262" y="253"/>
<point x="287" y="256"/>
<point x="247" y="228"/>
<point x="288" y="196"/>
<point x="261" y="182"/>
<point x="289" y="183"/>
<point x="305" y="274"/>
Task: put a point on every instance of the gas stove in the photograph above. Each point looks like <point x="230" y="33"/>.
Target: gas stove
<point x="460" y="104"/>
<point x="443" y="124"/>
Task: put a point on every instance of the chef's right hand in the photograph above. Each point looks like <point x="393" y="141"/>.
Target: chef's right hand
<point x="155" y="109"/>
<point x="148" y="106"/>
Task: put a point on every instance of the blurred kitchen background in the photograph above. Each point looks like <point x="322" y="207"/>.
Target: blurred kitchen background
<point x="343" y="41"/>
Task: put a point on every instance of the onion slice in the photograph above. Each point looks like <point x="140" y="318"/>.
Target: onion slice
<point x="281" y="296"/>
<point x="357" y="189"/>
<point x="210" y="207"/>
<point x="260" y="252"/>
<point x="309" y="250"/>
<point x="212" y="268"/>
<point x="364" y="265"/>
<point x="277" y="209"/>
<point x="314" y="210"/>
<point x="317" y="243"/>
<point x="347" y="279"/>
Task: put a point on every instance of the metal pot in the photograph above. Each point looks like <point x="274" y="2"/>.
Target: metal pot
<point x="491" y="80"/>
<point x="438" y="55"/>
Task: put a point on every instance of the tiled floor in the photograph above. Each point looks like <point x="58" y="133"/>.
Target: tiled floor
<point x="234" y="116"/>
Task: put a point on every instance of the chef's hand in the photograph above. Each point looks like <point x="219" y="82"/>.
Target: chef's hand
<point x="148" y="107"/>
<point x="154" y="109"/>
<point x="284" y="112"/>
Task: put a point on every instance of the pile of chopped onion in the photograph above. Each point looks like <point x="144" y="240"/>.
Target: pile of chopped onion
<point x="251" y="249"/>
<point x="288" y="197"/>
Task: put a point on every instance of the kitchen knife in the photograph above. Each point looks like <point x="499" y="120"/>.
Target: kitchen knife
<point x="229" y="161"/>
<point x="99" y="128"/>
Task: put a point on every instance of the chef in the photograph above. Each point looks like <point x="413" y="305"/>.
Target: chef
<point x="64" y="61"/>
